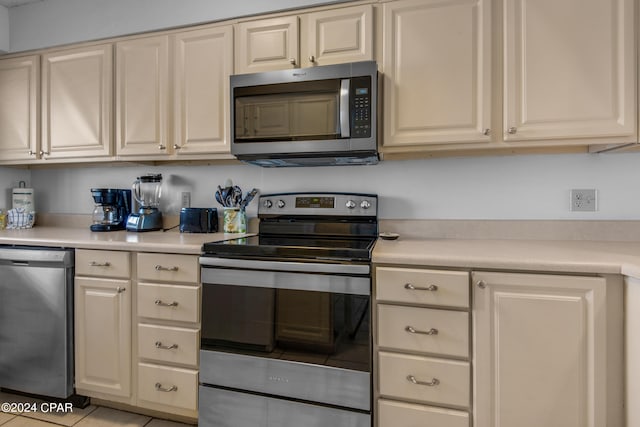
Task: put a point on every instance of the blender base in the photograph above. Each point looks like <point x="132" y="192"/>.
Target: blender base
<point x="148" y="221"/>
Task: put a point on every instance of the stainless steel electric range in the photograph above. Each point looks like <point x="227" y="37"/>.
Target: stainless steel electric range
<point x="286" y="332"/>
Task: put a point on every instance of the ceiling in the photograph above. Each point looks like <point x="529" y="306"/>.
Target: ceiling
<point x="13" y="3"/>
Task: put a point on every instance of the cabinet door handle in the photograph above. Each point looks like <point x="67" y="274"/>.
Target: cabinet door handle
<point x="161" y="268"/>
<point x="42" y="153"/>
<point x="486" y="132"/>
<point x="100" y="264"/>
<point x="166" y="347"/>
<point x="482" y="284"/>
<point x="120" y="289"/>
<point x="32" y="153"/>
<point x="434" y="381"/>
<point x="162" y="147"/>
<point x="292" y="61"/>
<point x="412" y="330"/>
<point x="160" y="303"/>
<point x="312" y="59"/>
<point x="176" y="147"/>
<point x="431" y="288"/>
<point x="166" y="389"/>
<point x="512" y="130"/>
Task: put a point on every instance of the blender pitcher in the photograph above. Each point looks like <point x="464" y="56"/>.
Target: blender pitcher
<point x="146" y="192"/>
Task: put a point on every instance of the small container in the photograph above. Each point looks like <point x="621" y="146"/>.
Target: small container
<point x="234" y="220"/>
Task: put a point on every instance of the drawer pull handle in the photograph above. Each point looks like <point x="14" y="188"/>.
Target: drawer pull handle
<point x="434" y="381"/>
<point x="165" y="389"/>
<point x="431" y="288"/>
<point x="120" y="289"/>
<point x="166" y="347"/>
<point x="411" y="330"/>
<point x="100" y="264"/>
<point x="161" y="303"/>
<point x="161" y="268"/>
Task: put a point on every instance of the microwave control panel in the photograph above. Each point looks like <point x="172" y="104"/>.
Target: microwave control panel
<point x="361" y="107"/>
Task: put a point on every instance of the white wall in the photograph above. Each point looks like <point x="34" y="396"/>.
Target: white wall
<point x="517" y="187"/>
<point x="4" y="29"/>
<point x="55" y="22"/>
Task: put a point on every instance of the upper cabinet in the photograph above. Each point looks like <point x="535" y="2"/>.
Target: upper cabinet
<point x="77" y="102"/>
<point x="142" y="89"/>
<point x="172" y="96"/>
<point x="318" y="38"/>
<point x="203" y="62"/>
<point x="437" y="72"/>
<point x="19" y="108"/>
<point x="570" y="69"/>
<point x="566" y="74"/>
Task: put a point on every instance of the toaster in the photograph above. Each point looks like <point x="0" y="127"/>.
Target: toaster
<point x="198" y="220"/>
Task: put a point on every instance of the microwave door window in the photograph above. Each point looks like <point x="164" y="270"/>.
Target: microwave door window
<point x="287" y="117"/>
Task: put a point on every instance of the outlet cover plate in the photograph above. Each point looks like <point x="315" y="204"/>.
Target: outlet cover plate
<point x="584" y="200"/>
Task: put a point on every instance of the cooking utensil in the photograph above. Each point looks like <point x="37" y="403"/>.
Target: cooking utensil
<point x="249" y="197"/>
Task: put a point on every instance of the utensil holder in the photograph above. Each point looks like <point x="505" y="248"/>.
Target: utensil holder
<point x="234" y="220"/>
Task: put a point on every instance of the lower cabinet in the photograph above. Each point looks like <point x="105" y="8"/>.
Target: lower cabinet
<point x="102" y="324"/>
<point x="168" y="332"/>
<point x="541" y="350"/>
<point x="137" y="335"/>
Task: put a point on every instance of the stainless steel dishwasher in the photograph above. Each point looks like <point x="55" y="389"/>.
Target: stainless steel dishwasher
<point x="36" y="320"/>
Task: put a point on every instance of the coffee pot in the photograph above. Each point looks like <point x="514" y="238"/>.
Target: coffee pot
<point x="112" y="208"/>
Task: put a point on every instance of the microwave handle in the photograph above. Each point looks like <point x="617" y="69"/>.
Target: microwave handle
<point x="345" y="125"/>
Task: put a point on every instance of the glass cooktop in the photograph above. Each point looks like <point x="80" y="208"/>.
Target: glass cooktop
<point x="287" y="247"/>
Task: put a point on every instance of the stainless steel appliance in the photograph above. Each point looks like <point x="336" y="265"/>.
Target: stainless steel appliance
<point x="36" y="321"/>
<point x="317" y="116"/>
<point x="112" y="209"/>
<point x="285" y="338"/>
<point x="147" y="190"/>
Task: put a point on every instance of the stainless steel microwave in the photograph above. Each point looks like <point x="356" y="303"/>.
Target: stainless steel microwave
<point x="318" y="116"/>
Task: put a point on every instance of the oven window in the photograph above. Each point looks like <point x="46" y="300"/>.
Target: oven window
<point x="322" y="328"/>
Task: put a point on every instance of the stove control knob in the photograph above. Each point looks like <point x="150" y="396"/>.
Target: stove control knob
<point x="267" y="203"/>
<point x="351" y="204"/>
<point x="365" y="204"/>
<point x="281" y="204"/>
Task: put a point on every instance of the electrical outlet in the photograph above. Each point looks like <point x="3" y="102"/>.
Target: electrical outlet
<point x="584" y="200"/>
<point x="186" y="199"/>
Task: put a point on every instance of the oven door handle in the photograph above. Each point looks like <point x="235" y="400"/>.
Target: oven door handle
<point x="302" y="267"/>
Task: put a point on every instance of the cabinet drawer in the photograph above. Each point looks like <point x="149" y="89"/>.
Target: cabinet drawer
<point x="453" y="379"/>
<point x="168" y="267"/>
<point x="400" y="414"/>
<point x="168" y="386"/>
<point x="419" y="286"/>
<point x="116" y="264"/>
<point x="168" y="344"/>
<point x="424" y="329"/>
<point x="168" y="302"/>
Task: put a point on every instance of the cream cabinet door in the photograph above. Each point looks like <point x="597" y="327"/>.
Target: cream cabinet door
<point x="103" y="336"/>
<point x="540" y="349"/>
<point x="570" y="69"/>
<point x="142" y="89"/>
<point x="437" y="72"/>
<point x="19" y="107"/>
<point x="77" y="102"/>
<point x="267" y="44"/>
<point x="203" y="61"/>
<point x="340" y="35"/>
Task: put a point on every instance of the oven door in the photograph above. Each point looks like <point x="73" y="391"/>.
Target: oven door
<point x="293" y="330"/>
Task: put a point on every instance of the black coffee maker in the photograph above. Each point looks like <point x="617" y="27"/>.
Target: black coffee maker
<point x="113" y="206"/>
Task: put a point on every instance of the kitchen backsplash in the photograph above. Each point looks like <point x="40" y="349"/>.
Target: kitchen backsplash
<point x="518" y="187"/>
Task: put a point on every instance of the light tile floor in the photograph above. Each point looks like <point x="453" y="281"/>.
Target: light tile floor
<point x="91" y="416"/>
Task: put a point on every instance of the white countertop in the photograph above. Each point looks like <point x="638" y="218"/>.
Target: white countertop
<point x="151" y="241"/>
<point x="591" y="257"/>
<point x="571" y="256"/>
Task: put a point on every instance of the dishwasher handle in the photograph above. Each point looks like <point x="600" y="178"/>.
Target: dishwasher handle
<point x="23" y="256"/>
